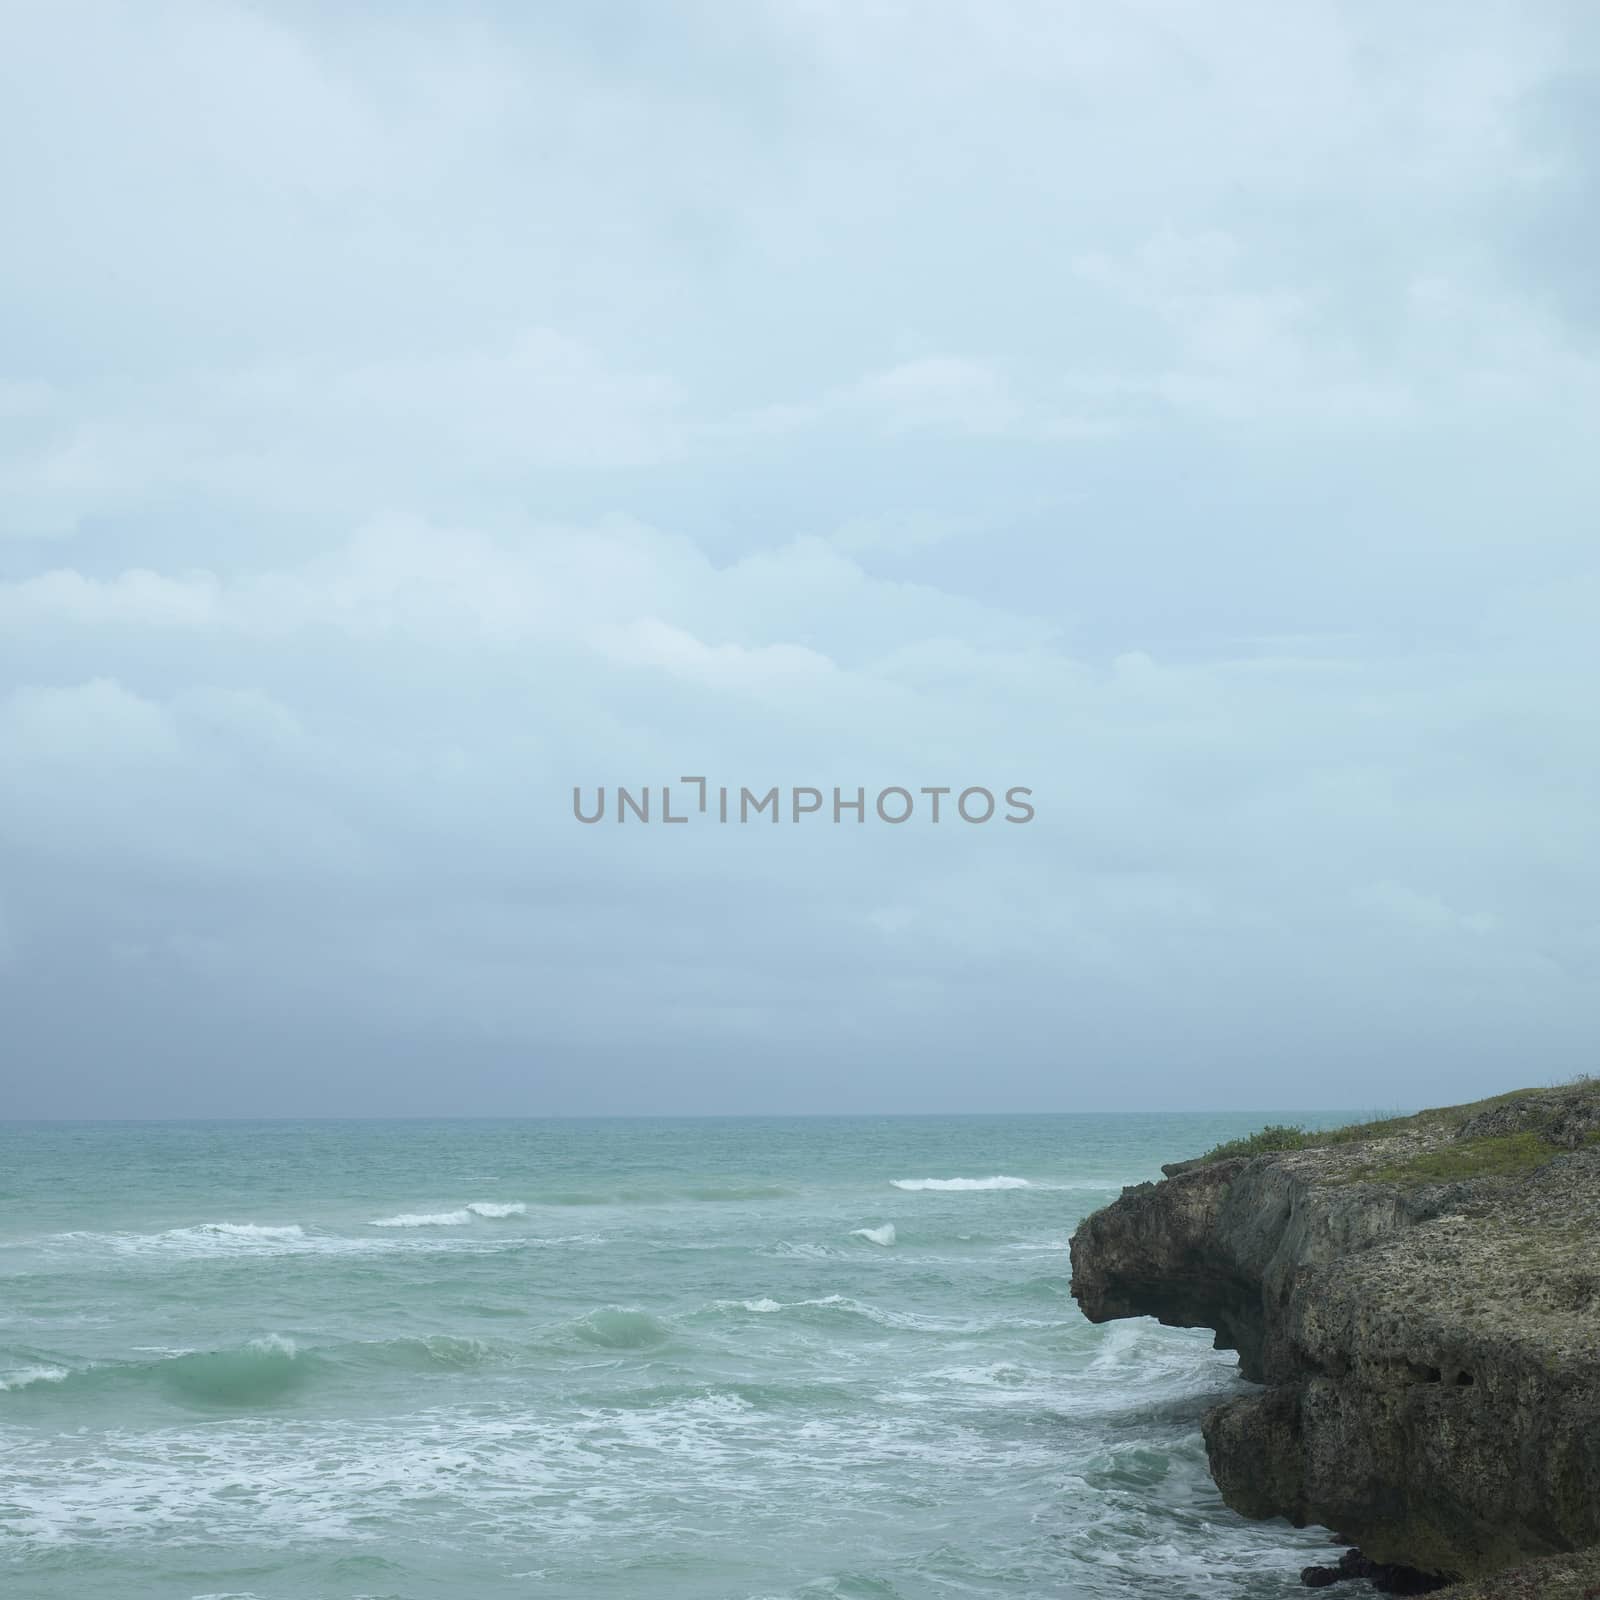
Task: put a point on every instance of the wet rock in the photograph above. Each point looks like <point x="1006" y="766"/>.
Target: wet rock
<point x="1385" y="1577"/>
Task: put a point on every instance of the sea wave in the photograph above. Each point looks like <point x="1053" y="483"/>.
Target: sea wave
<point x="838" y="1311"/>
<point x="245" y="1241"/>
<point x="621" y="1328"/>
<point x="806" y="1250"/>
<point x="765" y="1305"/>
<point x="252" y="1230"/>
<point x="1000" y="1182"/>
<point x="202" y="1239"/>
<point x="1036" y="1288"/>
<point x="22" y="1377"/>
<point x="262" y="1371"/>
<point x="883" y="1236"/>
<point x="452" y="1219"/>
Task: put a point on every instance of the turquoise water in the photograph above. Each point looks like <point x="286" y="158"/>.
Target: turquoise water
<point x="728" y="1360"/>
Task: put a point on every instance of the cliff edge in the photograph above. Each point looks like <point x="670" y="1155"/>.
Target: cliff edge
<point x="1420" y="1301"/>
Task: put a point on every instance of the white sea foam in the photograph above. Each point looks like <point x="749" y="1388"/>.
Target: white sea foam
<point x="252" y="1230"/>
<point x="424" y="1219"/>
<point x="961" y="1183"/>
<point x="883" y="1235"/>
<point x="806" y="1250"/>
<point x="206" y="1239"/>
<point x="764" y="1306"/>
<point x="231" y="1240"/>
<point x="273" y="1344"/>
<point x="452" y="1219"/>
<point x="193" y="1486"/>
<point x="1004" y="1375"/>
<point x="23" y="1376"/>
<point x="851" y="1307"/>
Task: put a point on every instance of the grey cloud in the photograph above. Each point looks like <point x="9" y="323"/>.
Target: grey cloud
<point x="410" y="415"/>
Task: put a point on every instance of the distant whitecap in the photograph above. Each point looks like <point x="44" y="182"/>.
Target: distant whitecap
<point x="961" y="1183"/>
<point x="424" y="1219"/>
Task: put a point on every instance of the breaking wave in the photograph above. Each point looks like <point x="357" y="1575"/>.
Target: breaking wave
<point x="452" y="1219"/>
<point x="263" y="1371"/>
<point x="883" y="1235"/>
<point x="22" y="1377"/>
<point x="621" y="1328"/>
<point x="961" y="1183"/>
<point x="202" y="1239"/>
<point x="251" y="1230"/>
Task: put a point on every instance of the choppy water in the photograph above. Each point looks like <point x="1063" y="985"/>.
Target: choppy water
<point x="727" y="1360"/>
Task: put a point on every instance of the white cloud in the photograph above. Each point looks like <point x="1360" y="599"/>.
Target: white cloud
<point x="356" y="434"/>
<point x="93" y="725"/>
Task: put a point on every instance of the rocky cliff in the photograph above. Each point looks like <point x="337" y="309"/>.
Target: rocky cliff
<point x="1419" y="1300"/>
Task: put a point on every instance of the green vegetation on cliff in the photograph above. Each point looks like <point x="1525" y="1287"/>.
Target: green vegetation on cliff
<point x="1505" y="1157"/>
<point x="1279" y="1136"/>
<point x="1482" y="1149"/>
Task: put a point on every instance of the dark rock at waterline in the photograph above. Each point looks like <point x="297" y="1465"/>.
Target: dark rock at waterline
<point x="1385" y="1577"/>
<point x="1420" y="1302"/>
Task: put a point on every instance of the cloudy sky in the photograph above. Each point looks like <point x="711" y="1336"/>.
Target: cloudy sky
<point x="410" y="412"/>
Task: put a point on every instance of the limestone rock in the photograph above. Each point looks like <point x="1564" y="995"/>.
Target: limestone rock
<point x="1420" y="1301"/>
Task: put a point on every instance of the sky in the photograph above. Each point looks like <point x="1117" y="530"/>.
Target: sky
<point x="410" y="413"/>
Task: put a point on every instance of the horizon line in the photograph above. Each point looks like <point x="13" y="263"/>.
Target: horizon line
<point x="693" y="1116"/>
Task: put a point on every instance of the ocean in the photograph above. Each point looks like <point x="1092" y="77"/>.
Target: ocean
<point x="740" y="1359"/>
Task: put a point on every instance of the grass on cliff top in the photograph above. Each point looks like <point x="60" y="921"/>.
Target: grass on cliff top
<point x="1495" y="1156"/>
<point x="1288" y="1136"/>
<point x="1504" y="1156"/>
